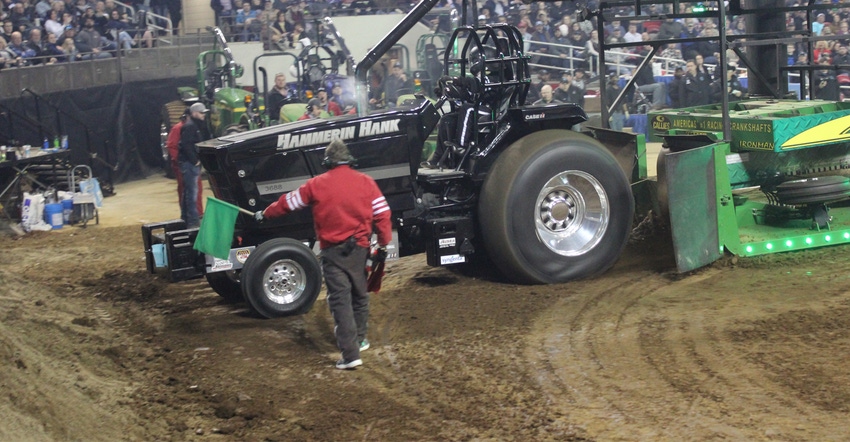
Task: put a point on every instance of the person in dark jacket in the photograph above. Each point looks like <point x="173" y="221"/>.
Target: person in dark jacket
<point x="347" y="208"/>
<point x="676" y="87"/>
<point x="734" y="88"/>
<point x="695" y="90"/>
<point x="826" y="84"/>
<point x="194" y="131"/>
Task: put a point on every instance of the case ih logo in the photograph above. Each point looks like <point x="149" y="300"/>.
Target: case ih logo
<point x="242" y="255"/>
<point x="539" y="116"/>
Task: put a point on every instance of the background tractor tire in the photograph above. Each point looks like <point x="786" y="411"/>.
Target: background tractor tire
<point x="281" y="277"/>
<point x="556" y="206"/>
<point x="227" y="285"/>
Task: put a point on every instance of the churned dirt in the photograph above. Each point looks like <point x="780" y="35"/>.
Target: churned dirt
<point x="93" y="348"/>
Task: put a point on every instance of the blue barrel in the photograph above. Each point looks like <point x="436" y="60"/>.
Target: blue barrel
<point x="67" y="210"/>
<point x="53" y="215"/>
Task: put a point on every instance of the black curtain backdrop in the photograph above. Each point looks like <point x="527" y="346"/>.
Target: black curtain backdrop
<point x="114" y="129"/>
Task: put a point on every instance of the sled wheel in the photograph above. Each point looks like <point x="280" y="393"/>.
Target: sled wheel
<point x="227" y="285"/>
<point x="281" y="277"/>
<point x="813" y="190"/>
<point x="555" y="206"/>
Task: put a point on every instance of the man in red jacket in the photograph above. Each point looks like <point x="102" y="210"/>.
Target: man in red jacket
<point x="172" y="143"/>
<point x="347" y="207"/>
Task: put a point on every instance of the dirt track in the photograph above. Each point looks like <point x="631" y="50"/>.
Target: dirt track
<point x="93" y="348"/>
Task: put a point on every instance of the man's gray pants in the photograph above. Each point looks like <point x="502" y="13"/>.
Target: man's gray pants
<point x="345" y="276"/>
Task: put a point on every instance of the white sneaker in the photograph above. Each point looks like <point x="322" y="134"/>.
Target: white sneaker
<point x="343" y="365"/>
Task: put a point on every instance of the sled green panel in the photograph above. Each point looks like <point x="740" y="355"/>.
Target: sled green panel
<point x="691" y="182"/>
<point x="762" y="125"/>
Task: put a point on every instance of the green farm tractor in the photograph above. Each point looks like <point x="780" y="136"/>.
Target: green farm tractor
<point x="231" y="107"/>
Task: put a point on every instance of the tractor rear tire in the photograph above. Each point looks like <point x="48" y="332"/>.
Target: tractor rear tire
<point x="227" y="285"/>
<point x="556" y="206"/>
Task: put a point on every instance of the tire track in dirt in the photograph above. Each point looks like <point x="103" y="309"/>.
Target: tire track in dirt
<point x="649" y="357"/>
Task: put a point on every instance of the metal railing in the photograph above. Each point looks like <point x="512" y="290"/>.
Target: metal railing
<point x="162" y="61"/>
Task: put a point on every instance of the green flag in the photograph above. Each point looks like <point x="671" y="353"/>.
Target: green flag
<point x="216" y="232"/>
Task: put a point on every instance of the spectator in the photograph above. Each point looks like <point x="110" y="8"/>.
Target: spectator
<point x="826" y="84"/>
<point x="703" y="70"/>
<point x="279" y="31"/>
<point x="539" y="43"/>
<point x="35" y="44"/>
<point x="295" y="14"/>
<point x="734" y="89"/>
<point x="70" y="50"/>
<point x="327" y="105"/>
<point x="591" y="51"/>
<point x="6" y="33"/>
<point x="53" y="24"/>
<point x="344" y="103"/>
<point x="22" y="53"/>
<point x="22" y="18"/>
<point x="394" y="85"/>
<point x="694" y="91"/>
<point x="632" y="35"/>
<point x="224" y="12"/>
<point x="689" y="49"/>
<point x="175" y="13"/>
<point x="52" y="49"/>
<point x="534" y="89"/>
<point x="194" y="131"/>
<point x="546" y="96"/>
<point x="841" y="58"/>
<point x="617" y="118"/>
<point x="676" y="88"/>
<point x="571" y="89"/>
<point x="314" y="110"/>
<point x="296" y="35"/>
<point x="173" y="145"/>
<point x="247" y="23"/>
<point x="278" y="96"/>
<point x="670" y="28"/>
<point x="8" y="58"/>
<point x="90" y="43"/>
<point x="118" y="30"/>
<point x="821" y="50"/>
<point x="646" y="84"/>
<point x="817" y="25"/>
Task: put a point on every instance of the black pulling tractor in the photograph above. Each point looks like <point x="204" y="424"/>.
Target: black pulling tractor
<point x="544" y="203"/>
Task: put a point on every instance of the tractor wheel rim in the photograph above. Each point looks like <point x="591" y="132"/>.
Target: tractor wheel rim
<point x="572" y="213"/>
<point x="284" y="281"/>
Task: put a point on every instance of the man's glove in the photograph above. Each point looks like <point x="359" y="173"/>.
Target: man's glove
<point x="380" y="255"/>
<point x="258" y="216"/>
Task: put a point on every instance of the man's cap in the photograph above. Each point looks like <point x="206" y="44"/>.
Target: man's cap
<point x="482" y="17"/>
<point x="198" y="107"/>
<point x="542" y="72"/>
<point x="321" y="89"/>
<point x="577" y="70"/>
<point x="337" y="84"/>
<point x="397" y="65"/>
<point x="315" y="102"/>
<point x="337" y="153"/>
<point x="539" y="23"/>
<point x="69" y="28"/>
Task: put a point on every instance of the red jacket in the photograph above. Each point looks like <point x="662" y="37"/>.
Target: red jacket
<point x="172" y="143"/>
<point x="345" y="203"/>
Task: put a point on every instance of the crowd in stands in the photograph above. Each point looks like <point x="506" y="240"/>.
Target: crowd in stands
<point x="57" y="31"/>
